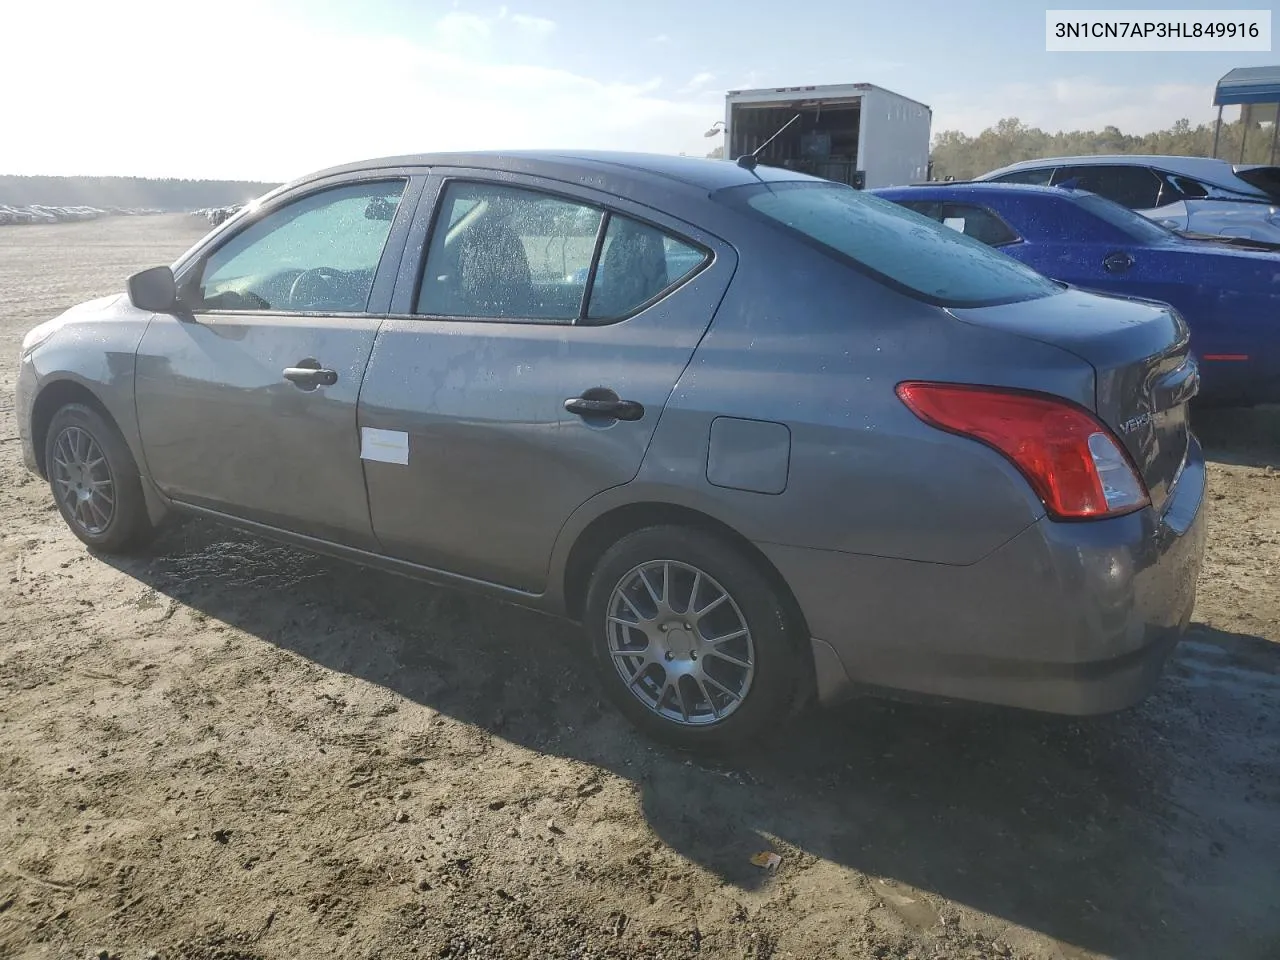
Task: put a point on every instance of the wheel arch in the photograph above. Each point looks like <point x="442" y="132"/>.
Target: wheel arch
<point x="610" y="526"/>
<point x="53" y="396"/>
<point x="614" y="524"/>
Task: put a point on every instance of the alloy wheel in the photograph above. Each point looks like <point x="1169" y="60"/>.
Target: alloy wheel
<point x="82" y="480"/>
<point x="680" y="642"/>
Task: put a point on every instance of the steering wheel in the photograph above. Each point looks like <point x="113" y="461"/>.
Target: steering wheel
<point x="316" y="284"/>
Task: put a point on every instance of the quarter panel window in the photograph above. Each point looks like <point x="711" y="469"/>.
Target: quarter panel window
<point x="1188" y="188"/>
<point x="317" y="254"/>
<point x="637" y="263"/>
<point x="505" y="253"/>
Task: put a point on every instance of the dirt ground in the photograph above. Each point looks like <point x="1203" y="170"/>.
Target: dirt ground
<point x="234" y="750"/>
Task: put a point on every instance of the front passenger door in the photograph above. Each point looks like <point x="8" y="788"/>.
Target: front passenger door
<point x="247" y="403"/>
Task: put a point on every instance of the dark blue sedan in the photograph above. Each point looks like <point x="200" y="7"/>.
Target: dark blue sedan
<point x="1227" y="290"/>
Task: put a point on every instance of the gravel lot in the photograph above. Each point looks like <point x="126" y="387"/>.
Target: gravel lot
<point x="234" y="750"/>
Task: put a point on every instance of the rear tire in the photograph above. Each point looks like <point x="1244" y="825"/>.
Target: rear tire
<point x="95" y="481"/>
<point x="714" y="658"/>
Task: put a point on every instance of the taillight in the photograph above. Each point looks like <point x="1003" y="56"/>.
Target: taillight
<point x="1072" y="461"/>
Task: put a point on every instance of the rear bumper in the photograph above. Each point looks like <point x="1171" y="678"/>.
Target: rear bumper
<point x="1071" y="618"/>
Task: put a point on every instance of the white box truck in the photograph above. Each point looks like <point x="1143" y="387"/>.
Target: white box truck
<point x="855" y="133"/>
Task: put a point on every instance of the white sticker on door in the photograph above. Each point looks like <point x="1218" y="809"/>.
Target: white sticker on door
<point x="388" y="446"/>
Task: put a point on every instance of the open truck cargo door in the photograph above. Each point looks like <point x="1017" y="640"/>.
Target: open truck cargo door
<point x="853" y="133"/>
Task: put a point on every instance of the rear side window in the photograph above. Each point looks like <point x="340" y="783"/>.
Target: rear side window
<point x="979" y="223"/>
<point x="1137" y="188"/>
<point x="507" y="253"/>
<point x="908" y="251"/>
<point x="501" y="253"/>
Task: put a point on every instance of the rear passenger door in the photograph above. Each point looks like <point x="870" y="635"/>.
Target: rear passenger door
<point x="536" y="335"/>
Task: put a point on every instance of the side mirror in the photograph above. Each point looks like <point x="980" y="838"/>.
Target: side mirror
<point x="154" y="290"/>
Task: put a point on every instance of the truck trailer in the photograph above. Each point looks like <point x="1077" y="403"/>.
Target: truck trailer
<point x="854" y="133"/>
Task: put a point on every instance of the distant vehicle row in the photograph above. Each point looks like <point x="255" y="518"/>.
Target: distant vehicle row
<point x="1227" y="289"/>
<point x="40" y="213"/>
<point x="1191" y="194"/>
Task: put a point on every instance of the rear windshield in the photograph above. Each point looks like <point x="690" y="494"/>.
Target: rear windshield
<point x="1266" y="179"/>
<point x="1133" y="225"/>
<point x="900" y="247"/>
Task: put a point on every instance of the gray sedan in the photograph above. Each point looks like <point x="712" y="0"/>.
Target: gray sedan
<point x="767" y="438"/>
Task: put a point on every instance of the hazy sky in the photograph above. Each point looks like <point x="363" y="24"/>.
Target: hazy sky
<point x="271" y="89"/>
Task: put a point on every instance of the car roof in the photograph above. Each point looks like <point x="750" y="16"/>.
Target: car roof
<point x="679" y="186"/>
<point x="697" y="173"/>
<point x="976" y="188"/>
<point x="1216" y="171"/>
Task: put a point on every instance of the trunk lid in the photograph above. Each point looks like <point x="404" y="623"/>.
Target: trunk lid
<point x="1144" y="372"/>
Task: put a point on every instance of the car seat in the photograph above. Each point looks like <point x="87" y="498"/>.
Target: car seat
<point x="632" y="270"/>
<point x="494" y="279"/>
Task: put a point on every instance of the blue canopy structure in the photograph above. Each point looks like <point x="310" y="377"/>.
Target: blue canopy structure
<point x="1247" y="87"/>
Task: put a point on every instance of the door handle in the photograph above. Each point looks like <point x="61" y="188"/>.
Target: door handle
<point x="1117" y="262"/>
<point x="612" y="409"/>
<point x="308" y="375"/>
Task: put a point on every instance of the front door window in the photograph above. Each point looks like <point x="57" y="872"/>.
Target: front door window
<point x="318" y="254"/>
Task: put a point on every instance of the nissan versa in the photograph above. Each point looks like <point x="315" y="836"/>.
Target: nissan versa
<point x="765" y="436"/>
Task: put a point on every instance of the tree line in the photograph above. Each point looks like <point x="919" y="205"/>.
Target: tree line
<point x="954" y="154"/>
<point x="961" y="156"/>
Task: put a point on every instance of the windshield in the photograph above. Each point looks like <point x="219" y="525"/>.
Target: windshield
<point x="1133" y="225"/>
<point x="908" y="251"/>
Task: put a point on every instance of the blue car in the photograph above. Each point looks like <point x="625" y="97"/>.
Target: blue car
<point x="1227" y="289"/>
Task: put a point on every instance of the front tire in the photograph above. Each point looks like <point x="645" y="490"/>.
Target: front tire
<point x="95" y="481"/>
<point x="693" y="643"/>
